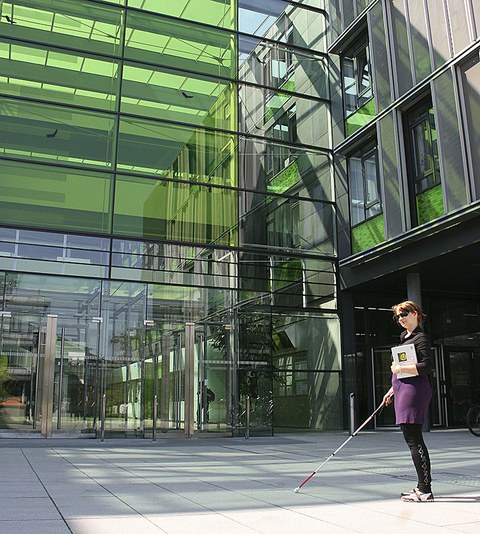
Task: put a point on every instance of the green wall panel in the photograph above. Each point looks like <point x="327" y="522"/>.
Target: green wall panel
<point x="361" y="117"/>
<point x="430" y="204"/>
<point x="368" y="234"/>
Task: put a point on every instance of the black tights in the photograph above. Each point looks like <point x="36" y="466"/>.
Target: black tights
<point x="421" y="459"/>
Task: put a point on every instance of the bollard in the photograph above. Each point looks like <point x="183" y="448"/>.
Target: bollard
<point x="352" y="414"/>
<point x="154" y="422"/>
<point x="103" y="415"/>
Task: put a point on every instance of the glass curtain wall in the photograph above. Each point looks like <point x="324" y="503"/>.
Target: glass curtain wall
<point x="167" y="201"/>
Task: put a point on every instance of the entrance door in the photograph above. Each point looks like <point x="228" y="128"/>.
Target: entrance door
<point x="19" y="364"/>
<point x="382" y="360"/>
<point x="192" y="371"/>
<point x="48" y="373"/>
<point x="189" y="380"/>
<point x="149" y="382"/>
<point x="76" y="375"/>
<point x="462" y="368"/>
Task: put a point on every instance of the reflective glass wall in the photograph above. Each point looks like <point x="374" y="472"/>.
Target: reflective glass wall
<point x="167" y="196"/>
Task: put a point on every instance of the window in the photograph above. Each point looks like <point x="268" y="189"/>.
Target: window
<point x="278" y="156"/>
<point x="279" y="62"/>
<point x="358" y="102"/>
<point x="365" y="199"/>
<point x="470" y="77"/>
<point x="423" y="164"/>
<point x="423" y="141"/>
<point x="292" y="378"/>
<point x="357" y="86"/>
<point x="283" y="225"/>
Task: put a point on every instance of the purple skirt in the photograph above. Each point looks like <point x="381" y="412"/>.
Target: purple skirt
<point x="411" y="400"/>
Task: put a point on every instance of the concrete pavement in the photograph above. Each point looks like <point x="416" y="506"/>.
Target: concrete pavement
<point x="220" y="485"/>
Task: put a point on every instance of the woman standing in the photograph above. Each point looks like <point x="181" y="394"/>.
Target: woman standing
<point x="412" y="396"/>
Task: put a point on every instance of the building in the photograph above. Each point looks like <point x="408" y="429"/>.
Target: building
<point x="404" y="106"/>
<point x="208" y="208"/>
<point x="167" y="240"/>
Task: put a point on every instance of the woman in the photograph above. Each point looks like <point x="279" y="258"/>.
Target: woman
<point x="412" y="396"/>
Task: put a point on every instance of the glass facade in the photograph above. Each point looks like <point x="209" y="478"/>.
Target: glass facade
<point x="167" y="239"/>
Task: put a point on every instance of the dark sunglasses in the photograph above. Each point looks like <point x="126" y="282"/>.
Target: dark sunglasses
<point x="403" y="313"/>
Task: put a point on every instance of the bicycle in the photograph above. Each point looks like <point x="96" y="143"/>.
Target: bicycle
<point x="473" y="420"/>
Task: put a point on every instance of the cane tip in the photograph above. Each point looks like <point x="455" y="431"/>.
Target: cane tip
<point x="296" y="490"/>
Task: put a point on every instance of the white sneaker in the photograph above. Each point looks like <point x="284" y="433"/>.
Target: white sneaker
<point x="407" y="493"/>
<point x="417" y="496"/>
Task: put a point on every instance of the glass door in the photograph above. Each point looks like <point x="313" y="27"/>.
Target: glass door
<point x="122" y="373"/>
<point x="216" y="398"/>
<point x="382" y="377"/>
<point x="187" y="377"/>
<point x="175" y="381"/>
<point x="77" y="375"/>
<point x="20" y="338"/>
<point x="460" y="382"/>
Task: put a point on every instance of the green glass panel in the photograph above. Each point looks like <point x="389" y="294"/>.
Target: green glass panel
<point x="283" y="167"/>
<point x="171" y="210"/>
<point x="430" y="204"/>
<point x="172" y="95"/>
<point x="361" y="117"/>
<point x="275" y="103"/>
<point x="86" y="26"/>
<point x="54" y="197"/>
<point x="176" y="152"/>
<point x="53" y="134"/>
<point x="46" y="74"/>
<point x="179" y="44"/>
<point x="285" y="179"/>
<point x="286" y="273"/>
<point x="221" y="13"/>
<point x="368" y="234"/>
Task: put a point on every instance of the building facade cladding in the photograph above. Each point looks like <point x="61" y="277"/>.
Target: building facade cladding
<point x="404" y="105"/>
<point x="167" y="239"/>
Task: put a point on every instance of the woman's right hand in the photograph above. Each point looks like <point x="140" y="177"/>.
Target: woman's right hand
<point x="388" y="397"/>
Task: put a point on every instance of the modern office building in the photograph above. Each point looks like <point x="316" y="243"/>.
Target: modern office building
<point x="405" y="109"/>
<point x="209" y="206"/>
<point x="167" y="240"/>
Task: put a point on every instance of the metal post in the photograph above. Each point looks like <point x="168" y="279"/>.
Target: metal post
<point x="233" y="413"/>
<point x="154" y="422"/>
<point x="37" y="378"/>
<point x="103" y="415"/>
<point x="352" y="414"/>
<point x="48" y="376"/>
<point x="247" y="417"/>
<point x="60" y="381"/>
<point x="165" y="384"/>
<point x="189" y="379"/>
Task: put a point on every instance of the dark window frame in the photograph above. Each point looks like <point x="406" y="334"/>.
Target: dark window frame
<point x="357" y="58"/>
<point x="279" y="157"/>
<point x="420" y="156"/>
<point x="371" y="205"/>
